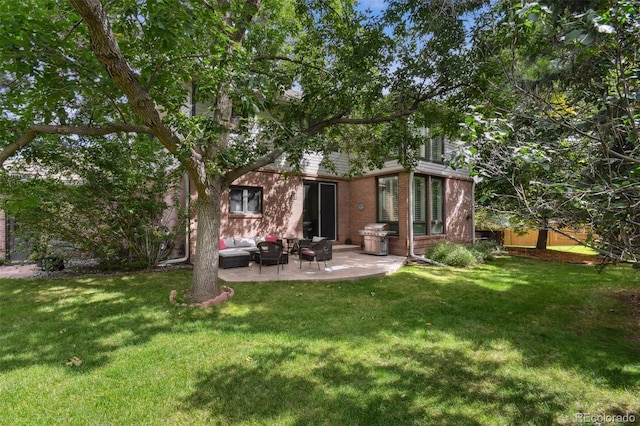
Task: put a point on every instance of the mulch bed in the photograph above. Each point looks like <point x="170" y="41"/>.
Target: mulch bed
<point x="553" y="255"/>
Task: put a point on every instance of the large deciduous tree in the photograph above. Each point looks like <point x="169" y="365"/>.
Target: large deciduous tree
<point x="559" y="84"/>
<point x="92" y="68"/>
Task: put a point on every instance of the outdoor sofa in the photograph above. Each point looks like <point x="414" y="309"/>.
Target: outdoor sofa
<point x="239" y="252"/>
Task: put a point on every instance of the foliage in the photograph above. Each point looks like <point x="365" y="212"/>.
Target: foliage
<point x="555" y="139"/>
<point x="105" y="200"/>
<point x="514" y="341"/>
<point x="87" y="68"/>
<point x="485" y="251"/>
<point x="460" y="255"/>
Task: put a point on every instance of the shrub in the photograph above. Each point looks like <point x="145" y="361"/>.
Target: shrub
<point x="462" y="255"/>
<point x="451" y="254"/>
<point x="485" y="250"/>
<point x="107" y="200"/>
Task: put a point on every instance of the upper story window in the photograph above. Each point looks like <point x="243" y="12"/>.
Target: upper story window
<point x="433" y="149"/>
<point x="245" y="200"/>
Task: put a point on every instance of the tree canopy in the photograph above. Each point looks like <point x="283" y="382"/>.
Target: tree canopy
<point x="302" y="73"/>
<point x="555" y="136"/>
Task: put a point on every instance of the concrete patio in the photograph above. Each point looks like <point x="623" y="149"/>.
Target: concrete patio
<point x="348" y="263"/>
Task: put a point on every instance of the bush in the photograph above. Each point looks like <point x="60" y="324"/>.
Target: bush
<point x="451" y="254"/>
<point x="108" y="199"/>
<point x="485" y="250"/>
<point x="462" y="255"/>
<point x="52" y="263"/>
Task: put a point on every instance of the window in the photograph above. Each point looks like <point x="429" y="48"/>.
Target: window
<point x="388" y="201"/>
<point x="428" y="205"/>
<point x="420" y="205"/>
<point x="245" y="200"/>
<point x="433" y="149"/>
<point x="437" y="206"/>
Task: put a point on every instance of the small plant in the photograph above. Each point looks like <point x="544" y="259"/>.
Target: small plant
<point x="52" y="263"/>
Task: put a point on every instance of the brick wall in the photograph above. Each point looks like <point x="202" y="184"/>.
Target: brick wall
<point x="3" y="235"/>
<point x="283" y="210"/>
<point x="458" y="212"/>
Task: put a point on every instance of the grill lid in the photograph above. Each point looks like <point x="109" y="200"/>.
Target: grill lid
<point x="376" y="229"/>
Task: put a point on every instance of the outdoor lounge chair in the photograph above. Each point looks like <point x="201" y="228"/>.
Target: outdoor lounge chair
<point x="270" y="253"/>
<point x="318" y="250"/>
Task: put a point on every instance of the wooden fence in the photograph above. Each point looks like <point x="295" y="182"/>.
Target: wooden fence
<point x="511" y="238"/>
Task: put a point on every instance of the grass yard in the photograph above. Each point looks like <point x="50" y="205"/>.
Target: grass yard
<point x="515" y="341"/>
<point x="574" y="249"/>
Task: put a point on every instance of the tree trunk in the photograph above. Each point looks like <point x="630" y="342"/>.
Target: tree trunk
<point x="204" y="285"/>
<point x="541" y="244"/>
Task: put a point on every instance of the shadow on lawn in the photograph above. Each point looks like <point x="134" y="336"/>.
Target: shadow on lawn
<point x="432" y="388"/>
<point x="431" y="381"/>
<point x="50" y="321"/>
<point x="413" y="377"/>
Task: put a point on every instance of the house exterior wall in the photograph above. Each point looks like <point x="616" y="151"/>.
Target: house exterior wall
<point x="3" y="235"/>
<point x="458" y="211"/>
<point x="363" y="191"/>
<point x="282" y="207"/>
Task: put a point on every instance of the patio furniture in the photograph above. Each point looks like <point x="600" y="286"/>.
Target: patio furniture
<point x="317" y="250"/>
<point x="233" y="258"/>
<point x="270" y="253"/>
<point x="293" y="245"/>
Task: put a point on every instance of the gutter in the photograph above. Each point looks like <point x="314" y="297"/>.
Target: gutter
<point x="412" y="254"/>
<point x="473" y="211"/>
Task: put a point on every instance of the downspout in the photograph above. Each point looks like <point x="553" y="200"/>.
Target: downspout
<point x="412" y="254"/>
<point x="473" y="211"/>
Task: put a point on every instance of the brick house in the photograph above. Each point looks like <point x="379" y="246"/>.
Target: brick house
<point x="321" y="203"/>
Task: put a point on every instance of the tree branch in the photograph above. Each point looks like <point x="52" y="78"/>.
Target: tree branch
<point x="107" y="50"/>
<point x="287" y="59"/>
<point x="36" y="129"/>
<point x="14" y="147"/>
<point x="261" y="162"/>
<point x="342" y="120"/>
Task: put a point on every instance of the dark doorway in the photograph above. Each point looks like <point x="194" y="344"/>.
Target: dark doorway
<point x="17" y="251"/>
<point x="319" y="217"/>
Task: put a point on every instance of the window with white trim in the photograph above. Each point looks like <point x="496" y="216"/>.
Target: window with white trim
<point x="245" y="200"/>
<point x="420" y="205"/>
<point x="433" y="150"/>
<point x="437" y="206"/>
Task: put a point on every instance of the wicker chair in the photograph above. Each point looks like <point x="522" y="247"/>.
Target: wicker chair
<point x="318" y="250"/>
<point x="270" y="254"/>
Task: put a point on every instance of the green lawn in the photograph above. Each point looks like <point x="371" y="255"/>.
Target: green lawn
<point x="514" y="341"/>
